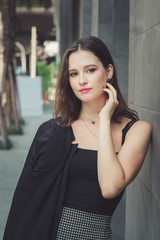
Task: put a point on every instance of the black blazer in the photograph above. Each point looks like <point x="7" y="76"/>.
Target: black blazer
<point x="38" y="199"/>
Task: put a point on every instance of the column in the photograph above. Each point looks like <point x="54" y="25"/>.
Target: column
<point x="143" y="195"/>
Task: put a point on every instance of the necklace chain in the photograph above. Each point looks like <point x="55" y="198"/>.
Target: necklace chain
<point x="88" y="128"/>
<point x="92" y="121"/>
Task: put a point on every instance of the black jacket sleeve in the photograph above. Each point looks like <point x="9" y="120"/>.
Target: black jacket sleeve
<point x="35" y="200"/>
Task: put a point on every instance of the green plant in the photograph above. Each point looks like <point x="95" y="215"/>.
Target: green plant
<point x="13" y="131"/>
<point x="49" y="75"/>
<point x="7" y="146"/>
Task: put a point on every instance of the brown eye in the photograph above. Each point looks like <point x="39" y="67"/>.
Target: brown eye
<point x="73" y="74"/>
<point x="91" y="70"/>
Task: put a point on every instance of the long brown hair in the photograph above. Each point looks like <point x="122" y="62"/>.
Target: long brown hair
<point x="67" y="105"/>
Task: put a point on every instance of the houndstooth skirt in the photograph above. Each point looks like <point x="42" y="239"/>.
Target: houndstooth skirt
<point x="80" y="225"/>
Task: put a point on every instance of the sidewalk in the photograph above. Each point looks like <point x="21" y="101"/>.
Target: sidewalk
<point x="11" y="164"/>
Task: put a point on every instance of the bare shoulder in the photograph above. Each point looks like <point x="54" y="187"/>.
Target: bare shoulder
<point x="134" y="149"/>
<point x="142" y="125"/>
<point x="137" y="126"/>
<point x="141" y="129"/>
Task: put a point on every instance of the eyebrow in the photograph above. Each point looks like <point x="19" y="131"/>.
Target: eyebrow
<point x="90" y="65"/>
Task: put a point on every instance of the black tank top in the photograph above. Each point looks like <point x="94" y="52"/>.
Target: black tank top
<point x="83" y="190"/>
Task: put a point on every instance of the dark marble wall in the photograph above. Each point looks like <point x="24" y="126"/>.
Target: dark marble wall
<point x="143" y="195"/>
<point x="65" y="26"/>
<point x="114" y="31"/>
<point x="86" y="17"/>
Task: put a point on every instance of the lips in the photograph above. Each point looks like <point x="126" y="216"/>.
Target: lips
<point x="85" y="90"/>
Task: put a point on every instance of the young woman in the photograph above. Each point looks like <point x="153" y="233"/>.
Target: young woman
<point x="80" y="163"/>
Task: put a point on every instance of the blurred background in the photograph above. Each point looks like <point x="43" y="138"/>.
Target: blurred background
<point x="33" y="37"/>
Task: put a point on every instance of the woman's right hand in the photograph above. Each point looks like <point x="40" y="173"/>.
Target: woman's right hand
<point x="111" y="103"/>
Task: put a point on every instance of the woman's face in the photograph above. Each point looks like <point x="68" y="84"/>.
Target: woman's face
<point x="87" y="76"/>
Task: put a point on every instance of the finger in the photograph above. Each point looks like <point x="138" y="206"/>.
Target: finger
<point x="110" y="93"/>
<point x="111" y="87"/>
<point x="114" y="96"/>
<point x="113" y="90"/>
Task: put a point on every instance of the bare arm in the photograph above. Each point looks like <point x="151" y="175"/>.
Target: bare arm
<point x="115" y="172"/>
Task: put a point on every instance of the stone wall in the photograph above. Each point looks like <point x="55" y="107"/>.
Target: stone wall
<point x="143" y="195"/>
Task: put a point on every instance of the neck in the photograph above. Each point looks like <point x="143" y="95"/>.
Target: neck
<point x="92" y="110"/>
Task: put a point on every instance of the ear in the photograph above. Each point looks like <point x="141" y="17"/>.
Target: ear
<point x="110" y="71"/>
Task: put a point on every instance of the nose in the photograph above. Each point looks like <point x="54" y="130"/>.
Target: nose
<point x="82" y="78"/>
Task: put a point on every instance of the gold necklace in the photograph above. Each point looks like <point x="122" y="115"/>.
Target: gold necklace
<point x="88" y="128"/>
<point x="92" y="121"/>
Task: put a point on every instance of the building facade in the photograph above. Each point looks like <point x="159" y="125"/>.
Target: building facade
<point x="131" y="30"/>
<point x="143" y="195"/>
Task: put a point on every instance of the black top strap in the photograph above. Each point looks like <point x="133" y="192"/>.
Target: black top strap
<point x="126" y="128"/>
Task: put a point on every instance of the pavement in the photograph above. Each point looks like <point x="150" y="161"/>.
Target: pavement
<point x="11" y="164"/>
